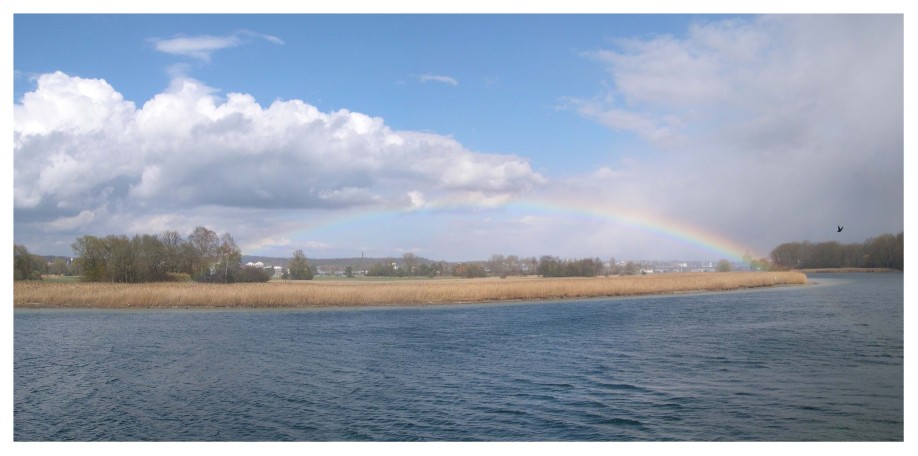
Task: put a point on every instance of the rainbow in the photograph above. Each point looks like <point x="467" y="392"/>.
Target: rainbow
<point x="668" y="228"/>
<point x="677" y="231"/>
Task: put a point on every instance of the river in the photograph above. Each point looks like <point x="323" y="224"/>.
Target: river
<point x="821" y="362"/>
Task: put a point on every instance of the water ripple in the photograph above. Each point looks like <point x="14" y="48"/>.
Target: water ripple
<point x="814" y="363"/>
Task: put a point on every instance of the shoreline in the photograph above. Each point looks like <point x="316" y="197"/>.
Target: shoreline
<point x="409" y="293"/>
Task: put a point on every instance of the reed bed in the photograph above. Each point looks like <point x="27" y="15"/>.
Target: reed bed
<point x="344" y="293"/>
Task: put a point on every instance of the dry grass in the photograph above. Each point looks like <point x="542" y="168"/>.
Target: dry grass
<point x="354" y="293"/>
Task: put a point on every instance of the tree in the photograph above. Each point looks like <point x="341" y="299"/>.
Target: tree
<point x="251" y="274"/>
<point x="175" y="251"/>
<point x="884" y="251"/>
<point x="230" y="258"/>
<point x="59" y="267"/>
<point x="469" y="270"/>
<point x="299" y="267"/>
<point x="498" y="266"/>
<point x="382" y="270"/>
<point x="92" y="257"/>
<point x="826" y="254"/>
<point x="762" y="264"/>
<point x="614" y="269"/>
<point x="121" y="260"/>
<point x="475" y="270"/>
<point x="348" y="271"/>
<point x="789" y="255"/>
<point x="25" y="265"/>
<point x="143" y="258"/>
<point x="554" y="267"/>
<point x="432" y="270"/>
<point x="149" y="259"/>
<point x="724" y="266"/>
<point x="204" y="245"/>
<point x="410" y="262"/>
<point x="550" y="266"/>
<point x="631" y="268"/>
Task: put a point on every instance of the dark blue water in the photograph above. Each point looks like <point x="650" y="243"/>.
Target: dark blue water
<point x="819" y="362"/>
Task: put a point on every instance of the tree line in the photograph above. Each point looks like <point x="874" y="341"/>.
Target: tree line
<point x="884" y="251"/>
<point x="205" y="256"/>
<point x="409" y="266"/>
<point x="26" y="266"/>
<point x="550" y="266"/>
<point x="202" y="256"/>
<point x="497" y="265"/>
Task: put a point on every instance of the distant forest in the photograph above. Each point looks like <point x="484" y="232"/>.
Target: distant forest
<point x="206" y="257"/>
<point x="884" y="251"/>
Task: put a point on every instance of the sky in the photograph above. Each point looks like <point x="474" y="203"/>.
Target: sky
<point x="456" y="137"/>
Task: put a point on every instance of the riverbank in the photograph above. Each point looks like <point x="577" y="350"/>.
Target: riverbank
<point x="315" y="294"/>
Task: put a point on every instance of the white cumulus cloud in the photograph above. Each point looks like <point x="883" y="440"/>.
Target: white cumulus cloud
<point x="80" y="147"/>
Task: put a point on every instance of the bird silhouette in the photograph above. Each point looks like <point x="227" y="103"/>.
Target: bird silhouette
<point x="840" y="228"/>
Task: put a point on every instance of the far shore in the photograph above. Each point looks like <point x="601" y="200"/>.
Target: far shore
<point x="344" y="293"/>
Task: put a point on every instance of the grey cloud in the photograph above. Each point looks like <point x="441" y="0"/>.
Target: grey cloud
<point x="778" y="127"/>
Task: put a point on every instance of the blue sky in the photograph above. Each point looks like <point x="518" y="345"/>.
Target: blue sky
<point x="504" y="80"/>
<point x="460" y="136"/>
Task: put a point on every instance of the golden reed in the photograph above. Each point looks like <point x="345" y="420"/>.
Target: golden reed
<point x="344" y="293"/>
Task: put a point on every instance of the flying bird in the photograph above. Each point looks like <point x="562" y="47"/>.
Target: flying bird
<point x="840" y="228"/>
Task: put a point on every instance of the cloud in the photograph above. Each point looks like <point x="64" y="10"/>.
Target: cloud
<point x="200" y="47"/>
<point x="427" y="77"/>
<point x="269" y="38"/>
<point x="81" y="149"/>
<point x="765" y="130"/>
<point x="761" y="130"/>
<point x="805" y="67"/>
<point x="415" y="200"/>
<point x="69" y="223"/>
<point x="659" y="131"/>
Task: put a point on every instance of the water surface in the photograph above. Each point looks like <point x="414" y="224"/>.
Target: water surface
<point x="819" y="362"/>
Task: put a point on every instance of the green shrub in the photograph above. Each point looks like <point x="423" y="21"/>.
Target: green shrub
<point x="253" y="274"/>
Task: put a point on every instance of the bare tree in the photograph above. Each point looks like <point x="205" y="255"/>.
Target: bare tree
<point x="205" y="245"/>
<point x="410" y="262"/>
<point x="230" y="257"/>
